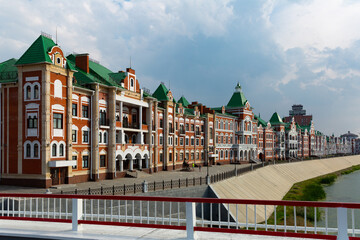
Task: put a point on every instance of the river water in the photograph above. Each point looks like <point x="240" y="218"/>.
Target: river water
<point x="345" y="189"/>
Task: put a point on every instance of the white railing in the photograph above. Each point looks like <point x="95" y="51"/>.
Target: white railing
<point x="277" y="218"/>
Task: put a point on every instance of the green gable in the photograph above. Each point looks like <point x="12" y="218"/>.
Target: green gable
<point x="183" y="101"/>
<point x="8" y="71"/>
<point x="37" y="52"/>
<point x="238" y="99"/>
<point x="276" y="119"/>
<point x="161" y="93"/>
<point x="260" y="121"/>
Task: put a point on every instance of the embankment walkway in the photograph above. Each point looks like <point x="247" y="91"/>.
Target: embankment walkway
<point x="274" y="181"/>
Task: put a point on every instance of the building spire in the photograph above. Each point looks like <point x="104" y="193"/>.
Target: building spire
<point x="238" y="88"/>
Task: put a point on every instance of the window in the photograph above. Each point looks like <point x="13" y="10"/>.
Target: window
<point x="131" y="82"/>
<point x="100" y="137"/>
<point x="36" y="150"/>
<point x="54" y="150"/>
<point x="28" y="150"/>
<point x="182" y="156"/>
<point x="161" y="142"/>
<point x="61" y="150"/>
<point x="85" y="136"/>
<point x="32" y="122"/>
<point x="202" y="142"/>
<point x="192" y="127"/>
<point x="103" y="117"/>
<point x="74" y="109"/>
<point x="58" y="121"/>
<point x="197" y="142"/>
<point x="181" y="141"/>
<point x="161" y="157"/>
<point x="105" y="137"/>
<point x="211" y="133"/>
<point x="192" y="156"/>
<point x="161" y="123"/>
<point x="74" y="136"/>
<point x="36" y="92"/>
<point x="187" y="141"/>
<point x="74" y="158"/>
<point x="28" y="93"/>
<point x="85" y="111"/>
<point x="85" y="161"/>
<point x="197" y="155"/>
<point x="58" y="89"/>
<point x="187" y="156"/>
<point x="102" y="161"/>
<point x="192" y="141"/>
<point x="187" y="127"/>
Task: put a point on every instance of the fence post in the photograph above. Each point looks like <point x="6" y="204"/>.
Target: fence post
<point x="101" y="190"/>
<point x="342" y="224"/>
<point x="252" y="168"/>
<point x="77" y="211"/>
<point x="124" y="189"/>
<point x="190" y="220"/>
<point x="113" y="190"/>
<point x="89" y="191"/>
<point x="145" y="186"/>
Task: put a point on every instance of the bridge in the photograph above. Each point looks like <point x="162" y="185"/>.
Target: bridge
<point x="189" y="218"/>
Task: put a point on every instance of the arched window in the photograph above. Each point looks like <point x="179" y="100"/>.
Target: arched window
<point x="126" y="138"/>
<point x="54" y="148"/>
<point x="100" y="137"/>
<point x="28" y="92"/>
<point x="133" y="139"/>
<point x="36" y="150"/>
<point x="131" y="82"/>
<point x="61" y="150"/>
<point x="28" y="150"/>
<point x="36" y="92"/>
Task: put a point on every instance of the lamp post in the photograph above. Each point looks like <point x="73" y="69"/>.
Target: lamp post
<point x="207" y="167"/>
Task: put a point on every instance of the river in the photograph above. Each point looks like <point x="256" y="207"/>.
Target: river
<point x="345" y="189"/>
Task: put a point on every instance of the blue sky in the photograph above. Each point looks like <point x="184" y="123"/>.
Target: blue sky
<point x="282" y="52"/>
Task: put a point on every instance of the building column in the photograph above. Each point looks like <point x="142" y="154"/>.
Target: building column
<point x="69" y="121"/>
<point x="112" y="133"/>
<point x="121" y="111"/>
<point x="131" y="167"/>
<point x="156" y="143"/>
<point x="95" y="133"/>
<point x="121" y="165"/>
<point x="140" y="163"/>
<point x="149" y="137"/>
<point x="20" y="122"/>
<point x="140" y="117"/>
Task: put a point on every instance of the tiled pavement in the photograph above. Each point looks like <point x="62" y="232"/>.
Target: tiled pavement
<point x="159" y="176"/>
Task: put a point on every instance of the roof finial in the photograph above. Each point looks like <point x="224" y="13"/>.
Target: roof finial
<point x="238" y="87"/>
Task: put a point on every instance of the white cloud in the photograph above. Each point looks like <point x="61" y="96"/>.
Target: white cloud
<point x="314" y="24"/>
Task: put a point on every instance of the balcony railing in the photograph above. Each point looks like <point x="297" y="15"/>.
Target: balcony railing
<point x="130" y="125"/>
<point x="237" y="216"/>
<point x="182" y="131"/>
<point x="197" y="133"/>
<point x="104" y="122"/>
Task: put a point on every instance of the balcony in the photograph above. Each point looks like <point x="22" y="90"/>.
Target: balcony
<point x="130" y="125"/>
<point x="182" y="131"/>
<point x="197" y="133"/>
<point x="104" y="122"/>
<point x="171" y="130"/>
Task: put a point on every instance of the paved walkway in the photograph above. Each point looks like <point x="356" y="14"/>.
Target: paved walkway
<point x="159" y="176"/>
<point x="36" y="230"/>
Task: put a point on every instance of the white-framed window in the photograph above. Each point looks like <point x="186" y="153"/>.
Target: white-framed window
<point x="58" y="149"/>
<point x="32" y="149"/>
<point x="85" y="134"/>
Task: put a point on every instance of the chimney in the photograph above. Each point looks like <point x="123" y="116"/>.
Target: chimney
<point x="130" y="70"/>
<point x="82" y="62"/>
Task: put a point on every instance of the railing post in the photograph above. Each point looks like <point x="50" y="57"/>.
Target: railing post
<point x="145" y="186"/>
<point x="190" y="220"/>
<point x="77" y="212"/>
<point x="342" y="224"/>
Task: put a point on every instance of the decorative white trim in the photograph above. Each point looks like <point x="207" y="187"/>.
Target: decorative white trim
<point x="58" y="89"/>
<point x="31" y="79"/>
<point x="75" y="97"/>
<point x="32" y="106"/>
<point x="57" y="107"/>
<point x="85" y="99"/>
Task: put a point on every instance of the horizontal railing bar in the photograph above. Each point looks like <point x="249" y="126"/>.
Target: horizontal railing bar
<point x="195" y="200"/>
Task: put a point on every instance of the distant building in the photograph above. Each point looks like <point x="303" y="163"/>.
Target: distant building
<point x="299" y="115"/>
<point x="349" y="136"/>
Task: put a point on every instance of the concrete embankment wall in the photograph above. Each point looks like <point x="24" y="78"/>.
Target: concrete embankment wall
<point x="274" y="181"/>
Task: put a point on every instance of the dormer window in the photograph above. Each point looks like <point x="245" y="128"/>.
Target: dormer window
<point x="131" y="82"/>
<point x="58" y="60"/>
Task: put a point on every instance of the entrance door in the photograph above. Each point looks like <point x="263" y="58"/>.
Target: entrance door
<point x="63" y="175"/>
<point x="54" y="172"/>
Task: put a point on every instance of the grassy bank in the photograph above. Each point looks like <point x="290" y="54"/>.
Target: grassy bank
<point x="309" y="190"/>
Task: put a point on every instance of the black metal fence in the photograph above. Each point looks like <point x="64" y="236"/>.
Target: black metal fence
<point x="180" y="183"/>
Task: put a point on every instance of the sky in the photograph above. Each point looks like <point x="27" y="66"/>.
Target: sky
<point x="281" y="52"/>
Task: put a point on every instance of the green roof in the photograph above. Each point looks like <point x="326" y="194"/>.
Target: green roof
<point x="161" y="93"/>
<point x="8" y="71"/>
<point x="188" y="111"/>
<point x="276" y="119"/>
<point x="238" y="99"/>
<point x="37" y="52"/>
<point x="183" y="101"/>
<point x="260" y="121"/>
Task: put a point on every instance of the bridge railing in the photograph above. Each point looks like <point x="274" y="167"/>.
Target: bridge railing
<point x="262" y="217"/>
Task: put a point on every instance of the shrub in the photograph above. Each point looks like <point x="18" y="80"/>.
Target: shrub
<point x="313" y="192"/>
<point x="329" y="179"/>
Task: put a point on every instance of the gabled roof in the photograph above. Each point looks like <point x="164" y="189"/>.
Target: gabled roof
<point x="183" y="101"/>
<point x="8" y="71"/>
<point x="276" y="119"/>
<point x="260" y="121"/>
<point x="37" y="52"/>
<point x="238" y="99"/>
<point x="161" y="93"/>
